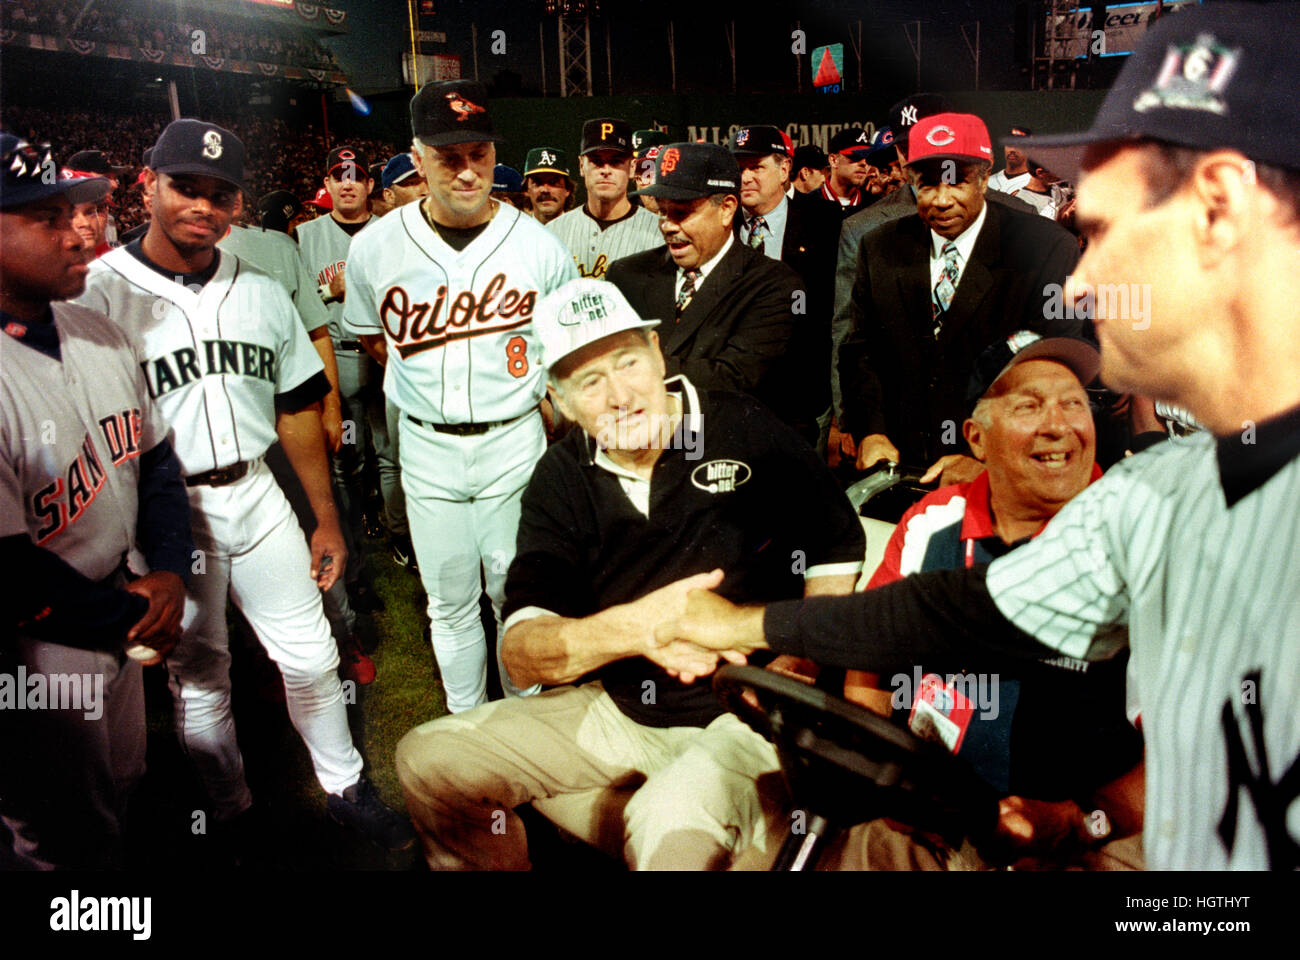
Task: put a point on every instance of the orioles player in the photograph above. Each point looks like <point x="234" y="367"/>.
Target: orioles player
<point x="231" y="368"/>
<point x="442" y="292"/>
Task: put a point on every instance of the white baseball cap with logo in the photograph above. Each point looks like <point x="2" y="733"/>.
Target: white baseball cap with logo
<point x="582" y="312"/>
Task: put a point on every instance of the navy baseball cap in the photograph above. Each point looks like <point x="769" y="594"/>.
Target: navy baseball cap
<point x="397" y="169"/>
<point x="688" y="171"/>
<point x="759" y="141"/>
<point x="851" y="142"/>
<point x="28" y="173"/>
<point x="1205" y="77"/>
<point x="198" y="147"/>
<point x="506" y="179"/>
<point x="809" y="155"/>
<point x="909" y="111"/>
<point x="449" y="112"/>
<point x="883" y="150"/>
<point x="1024" y="345"/>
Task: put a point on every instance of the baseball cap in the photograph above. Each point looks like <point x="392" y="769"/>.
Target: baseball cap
<point x="93" y="163"/>
<point x="546" y="160"/>
<point x="452" y="111"/>
<point x="347" y="157"/>
<point x="643" y="140"/>
<point x="376" y="173"/>
<point x="809" y="155"/>
<point x="883" y="149"/>
<point x="1025" y="345"/>
<point x="397" y="169"/>
<point x="1217" y="75"/>
<point x="851" y="142"/>
<point x="1018" y="130"/>
<point x="688" y="171"/>
<point x="911" y="110"/>
<point x="949" y="136"/>
<point x="322" y="200"/>
<point x="581" y="312"/>
<point x="195" y="146"/>
<point x="606" y="133"/>
<point x="277" y="208"/>
<point x="759" y="141"/>
<point x="27" y="174"/>
<point x="506" y="179"/>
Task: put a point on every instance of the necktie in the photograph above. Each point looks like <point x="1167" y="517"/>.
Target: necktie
<point x="946" y="288"/>
<point x="688" y="290"/>
<point x="757" y="232"/>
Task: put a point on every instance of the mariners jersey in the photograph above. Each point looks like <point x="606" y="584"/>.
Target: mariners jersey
<point x="71" y="435"/>
<point x="1200" y="557"/>
<point x="595" y="249"/>
<point x="214" y="359"/>
<point x="458" y="325"/>
<point x="325" y="247"/>
<point x="275" y="253"/>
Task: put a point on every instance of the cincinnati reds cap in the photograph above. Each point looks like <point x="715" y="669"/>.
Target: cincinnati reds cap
<point x="198" y="147"/>
<point x="851" y="142"/>
<point x="688" y="171"/>
<point x="643" y="140"/>
<point x="606" y="133"/>
<point x="910" y="111"/>
<point x="546" y="160"/>
<point x="581" y="312"/>
<point x="883" y="149"/>
<point x="397" y="169"/>
<point x="452" y="111"/>
<point x="506" y="179"/>
<point x="1218" y="75"/>
<point x="1024" y="345"/>
<point x="759" y="141"/>
<point x="28" y="173"/>
<point x="347" y="157"/>
<point x="949" y="136"/>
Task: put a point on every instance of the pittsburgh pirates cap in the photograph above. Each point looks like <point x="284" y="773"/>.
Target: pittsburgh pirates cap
<point x="546" y="160"/>
<point x="198" y="147"/>
<point x="449" y="112"/>
<point x="1025" y="345"/>
<point x="851" y="142"/>
<point x="688" y="171"/>
<point x="1218" y="75"/>
<point x="759" y="141"/>
<point x="643" y="140"/>
<point x="581" y="312"/>
<point x="28" y="173"/>
<point x="506" y="179"/>
<point x="606" y="133"/>
<point x="911" y="110"/>
<point x="949" y="136"/>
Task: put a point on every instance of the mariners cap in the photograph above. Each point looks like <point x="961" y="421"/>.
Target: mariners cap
<point x="198" y="147"/>
<point x="606" y="133"/>
<point x="949" y="136"/>
<point x="910" y="111"/>
<point x="397" y="169"/>
<point x="1218" y="75"/>
<point x="883" y="149"/>
<point x="449" y="112"/>
<point x="28" y="173"/>
<point x="347" y="158"/>
<point x="809" y="155"/>
<point x="851" y="142"/>
<point x="643" y="140"/>
<point x="759" y="141"/>
<point x="688" y="171"/>
<point x="1025" y="345"/>
<point x="506" y="179"/>
<point x="546" y="160"/>
<point x="581" y="312"/>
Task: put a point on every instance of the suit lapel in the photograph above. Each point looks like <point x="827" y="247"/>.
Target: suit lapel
<point x="912" y="253"/>
<point x="720" y="279"/>
<point x="976" y="278"/>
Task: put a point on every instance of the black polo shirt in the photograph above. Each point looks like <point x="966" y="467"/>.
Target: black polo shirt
<point x="738" y="490"/>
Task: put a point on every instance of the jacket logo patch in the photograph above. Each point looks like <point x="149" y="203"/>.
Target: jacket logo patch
<point x="720" y="476"/>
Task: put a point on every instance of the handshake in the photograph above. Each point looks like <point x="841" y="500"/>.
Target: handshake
<point x="687" y="628"/>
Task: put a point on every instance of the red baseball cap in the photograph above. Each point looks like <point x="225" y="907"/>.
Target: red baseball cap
<point x="322" y="200"/>
<point x="949" y="136"/>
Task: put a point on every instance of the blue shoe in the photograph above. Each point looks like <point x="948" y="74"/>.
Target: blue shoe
<point x="359" y="808"/>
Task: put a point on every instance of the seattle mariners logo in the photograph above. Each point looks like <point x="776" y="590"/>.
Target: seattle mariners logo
<point x="940" y="136"/>
<point x="463" y="108"/>
<point x="1192" y="78"/>
<point x="212" y="145"/>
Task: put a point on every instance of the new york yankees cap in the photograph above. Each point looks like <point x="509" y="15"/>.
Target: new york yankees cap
<point x="199" y="147"/>
<point x="998" y="358"/>
<point x="449" y="112"/>
<point x="606" y="133"/>
<point x="688" y="171"/>
<point x="546" y="160"/>
<point x="949" y="136"/>
<point x="28" y="173"/>
<point x="851" y="142"/>
<point x="397" y="169"/>
<point x="911" y="110"/>
<point x="759" y="141"/>
<point x="1218" y="75"/>
<point x="581" y="312"/>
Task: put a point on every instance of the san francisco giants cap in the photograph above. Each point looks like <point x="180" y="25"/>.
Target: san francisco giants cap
<point x="546" y="160"/>
<point x="1022" y="346"/>
<point x="688" y="171"/>
<point x="759" y="141"/>
<point x="1205" y="77"/>
<point x="199" y="147"/>
<point x="449" y="112"/>
<point x="28" y="173"/>
<point x="581" y="312"/>
<point x="949" y="136"/>
<point x="606" y="133"/>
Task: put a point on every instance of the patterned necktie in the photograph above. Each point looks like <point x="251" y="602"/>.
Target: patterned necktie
<point x="946" y="288"/>
<point x="757" y="232"/>
<point x="688" y="291"/>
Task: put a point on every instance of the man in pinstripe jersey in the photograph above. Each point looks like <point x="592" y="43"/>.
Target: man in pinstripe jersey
<point x="1190" y="188"/>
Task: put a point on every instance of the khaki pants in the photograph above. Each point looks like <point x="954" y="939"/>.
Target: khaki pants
<point x="703" y="794"/>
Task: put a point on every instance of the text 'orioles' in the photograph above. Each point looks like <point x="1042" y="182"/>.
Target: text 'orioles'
<point x="415" y="327"/>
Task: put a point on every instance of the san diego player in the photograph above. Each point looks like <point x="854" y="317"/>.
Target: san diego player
<point x="442" y="292"/>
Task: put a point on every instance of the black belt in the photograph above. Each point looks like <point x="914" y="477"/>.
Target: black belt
<point x="218" y="478"/>
<point x="353" y="345"/>
<point x="463" y="429"/>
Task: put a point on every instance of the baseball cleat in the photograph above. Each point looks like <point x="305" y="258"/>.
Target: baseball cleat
<point x="359" y="808"/>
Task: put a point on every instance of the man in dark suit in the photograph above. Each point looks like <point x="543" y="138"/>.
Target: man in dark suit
<point x="802" y="235"/>
<point x="933" y="289"/>
<point x="727" y="310"/>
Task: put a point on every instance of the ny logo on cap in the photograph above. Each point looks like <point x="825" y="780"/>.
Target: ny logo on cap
<point x="463" y="108"/>
<point x="548" y="158"/>
<point x="1192" y="77"/>
<point x="940" y="136"/>
<point x="212" y="145"/>
<point x="908" y="117"/>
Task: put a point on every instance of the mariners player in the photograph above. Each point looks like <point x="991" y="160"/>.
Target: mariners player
<point x="226" y="358"/>
<point x="443" y="292"/>
<point x="607" y="226"/>
<point x="86" y="474"/>
<point x="1190" y="183"/>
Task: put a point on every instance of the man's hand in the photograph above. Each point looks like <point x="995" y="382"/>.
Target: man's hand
<point x="337" y="287"/>
<point x="874" y="448"/>
<point x="1037" y="827"/>
<point x="688" y="662"/>
<point x="796" y="668"/>
<point x="331" y="419"/>
<point x="954" y="468"/>
<point x="329" y="554"/>
<point x="161" y="624"/>
<point x="716" y="624"/>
